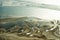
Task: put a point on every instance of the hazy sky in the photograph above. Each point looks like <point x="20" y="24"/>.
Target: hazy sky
<point x="53" y="2"/>
<point x="32" y="11"/>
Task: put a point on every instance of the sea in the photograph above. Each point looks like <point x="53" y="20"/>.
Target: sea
<point x="17" y="11"/>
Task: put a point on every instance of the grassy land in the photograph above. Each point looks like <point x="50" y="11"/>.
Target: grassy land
<point x="14" y="36"/>
<point x="8" y="19"/>
<point x="8" y="36"/>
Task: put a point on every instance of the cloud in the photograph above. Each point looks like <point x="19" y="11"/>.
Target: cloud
<point x="9" y="3"/>
<point x="18" y="2"/>
<point x="13" y="3"/>
<point x="30" y="4"/>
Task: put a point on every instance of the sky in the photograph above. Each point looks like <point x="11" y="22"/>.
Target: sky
<point x="43" y="13"/>
<point x="54" y="2"/>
